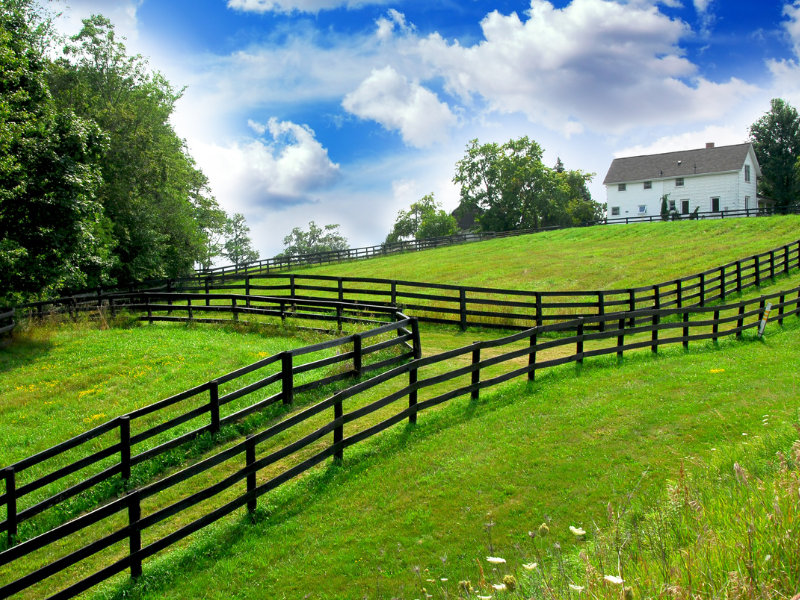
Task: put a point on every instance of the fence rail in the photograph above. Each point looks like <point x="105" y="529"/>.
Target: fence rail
<point x="7" y="323"/>
<point x="278" y="263"/>
<point x="683" y="325"/>
<point x="126" y="439"/>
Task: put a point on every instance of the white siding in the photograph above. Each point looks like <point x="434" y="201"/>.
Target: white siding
<point x="730" y="188"/>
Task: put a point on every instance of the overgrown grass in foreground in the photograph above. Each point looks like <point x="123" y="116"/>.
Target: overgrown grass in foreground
<point x="558" y="450"/>
<point x="609" y="257"/>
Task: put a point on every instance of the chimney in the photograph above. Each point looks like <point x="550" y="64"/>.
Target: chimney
<point x="709" y="144"/>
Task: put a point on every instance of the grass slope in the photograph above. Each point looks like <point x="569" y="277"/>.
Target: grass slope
<point x="559" y="449"/>
<point x="608" y="257"/>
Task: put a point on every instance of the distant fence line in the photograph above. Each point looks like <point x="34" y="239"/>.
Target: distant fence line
<point x="711" y="323"/>
<point x="407" y="337"/>
<point x="7" y="323"/>
<point x="280" y="263"/>
<point x="468" y="306"/>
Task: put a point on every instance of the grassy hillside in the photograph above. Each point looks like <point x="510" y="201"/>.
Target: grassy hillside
<point x="618" y="256"/>
<point x="557" y="450"/>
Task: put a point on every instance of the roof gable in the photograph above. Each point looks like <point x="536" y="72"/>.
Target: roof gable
<point x="683" y="163"/>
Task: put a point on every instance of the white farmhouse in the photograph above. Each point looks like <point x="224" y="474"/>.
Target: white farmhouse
<point x="710" y="179"/>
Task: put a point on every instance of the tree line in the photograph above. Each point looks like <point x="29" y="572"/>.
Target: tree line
<point x="95" y="185"/>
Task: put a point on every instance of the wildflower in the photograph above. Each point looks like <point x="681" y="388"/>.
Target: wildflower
<point x="485" y="597"/>
<point x="510" y="582"/>
<point x="500" y="587"/>
<point x="717" y="371"/>
<point x="544" y="530"/>
<point x="529" y="566"/>
<point x="431" y="580"/>
<point x="495" y="560"/>
<point x="614" y="579"/>
<point x="577" y="531"/>
<point x="577" y="588"/>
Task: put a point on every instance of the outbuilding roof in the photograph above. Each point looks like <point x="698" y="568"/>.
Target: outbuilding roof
<point x="680" y="164"/>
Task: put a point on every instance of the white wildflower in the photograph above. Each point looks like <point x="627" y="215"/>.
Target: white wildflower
<point x="614" y="579"/>
<point x="577" y="531"/>
<point x="529" y="566"/>
<point x="495" y="560"/>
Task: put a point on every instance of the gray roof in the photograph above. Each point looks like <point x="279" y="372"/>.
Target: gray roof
<point x="679" y="164"/>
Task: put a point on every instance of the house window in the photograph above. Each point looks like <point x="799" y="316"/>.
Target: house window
<point x="615" y="211"/>
<point x="684" y="207"/>
<point x="622" y="187"/>
<point x="715" y="205"/>
<point x="642" y="209"/>
<point x="747" y="173"/>
<point x="679" y="182"/>
<point x="648" y="185"/>
<point x="671" y="205"/>
<point x="746" y="202"/>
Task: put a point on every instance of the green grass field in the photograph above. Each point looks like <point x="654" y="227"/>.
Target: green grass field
<point x="557" y="450"/>
<point x="610" y="257"/>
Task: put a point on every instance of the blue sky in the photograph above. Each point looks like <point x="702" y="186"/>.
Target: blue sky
<point x="344" y="111"/>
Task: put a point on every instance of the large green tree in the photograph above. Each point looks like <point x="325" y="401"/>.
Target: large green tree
<point x="51" y="229"/>
<point x="776" y="141"/>
<point x="316" y="239"/>
<point x="238" y="247"/>
<point x="162" y="216"/>
<point x="424" y="219"/>
<point x="509" y="187"/>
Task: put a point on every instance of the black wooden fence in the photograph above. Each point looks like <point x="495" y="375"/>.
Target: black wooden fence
<point x="7" y="323"/>
<point x="209" y="409"/>
<point x="664" y="326"/>
<point x="281" y="263"/>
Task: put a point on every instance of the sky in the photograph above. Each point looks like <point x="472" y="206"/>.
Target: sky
<point x="347" y="111"/>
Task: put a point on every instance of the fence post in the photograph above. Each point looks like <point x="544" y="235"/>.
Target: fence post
<point x="291" y="285"/>
<point x="394" y="293"/>
<point x="338" y="432"/>
<point x="412" y="396"/>
<point x="679" y="290"/>
<point x="249" y="459"/>
<point x="632" y="306"/>
<point x="111" y="306"/>
<point x="135" y="538"/>
<point x="758" y="271"/>
<point x="772" y="264"/>
<point x="149" y="309"/>
<point x="740" y="321"/>
<point x="11" y="505"/>
<point x="620" y="337"/>
<point x="214" y="404"/>
<point x="234" y="310"/>
<point x="169" y="298"/>
<point x="780" y="310"/>
<point x="283" y="312"/>
<point x="189" y="308"/>
<point x="476" y="374"/>
<point x="738" y="277"/>
<point x="247" y="289"/>
<point x="415" y="338"/>
<point x="539" y="319"/>
<point x="341" y="289"/>
<point x="339" y="319"/>
<point x="601" y="308"/>
<point x="357" y="355"/>
<point x="702" y="289"/>
<point x="579" y="343"/>
<point x="125" y="446"/>
<point x="208" y="299"/>
<point x="722" y="284"/>
<point x="287" y="380"/>
<point x="786" y="259"/>
<point x="715" y="326"/>
<point x="463" y="308"/>
<point x="685" y="330"/>
<point x="532" y="357"/>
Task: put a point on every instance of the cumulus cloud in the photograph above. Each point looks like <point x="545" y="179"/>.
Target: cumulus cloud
<point x="786" y="73"/>
<point x="270" y="174"/>
<point x="289" y="6"/>
<point x="389" y="98"/>
<point x="719" y="135"/>
<point x="593" y="63"/>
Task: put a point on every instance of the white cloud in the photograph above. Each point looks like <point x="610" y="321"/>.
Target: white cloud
<point x="259" y="174"/>
<point x="786" y="73"/>
<point x="596" y="64"/>
<point x="390" y="99"/>
<point x="289" y="6"/>
<point x="719" y="135"/>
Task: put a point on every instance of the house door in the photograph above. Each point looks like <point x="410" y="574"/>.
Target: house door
<point x="684" y="207"/>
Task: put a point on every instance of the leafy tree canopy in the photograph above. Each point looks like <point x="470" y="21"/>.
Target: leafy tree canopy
<point x="509" y="188"/>
<point x="316" y="239"/>
<point x="424" y="219"/>
<point x="238" y="248"/>
<point x="776" y="141"/>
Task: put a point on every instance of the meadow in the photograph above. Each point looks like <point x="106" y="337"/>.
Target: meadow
<point x="412" y="505"/>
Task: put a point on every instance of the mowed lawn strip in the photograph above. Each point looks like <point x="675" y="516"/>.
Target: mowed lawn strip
<point x="557" y="449"/>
